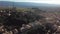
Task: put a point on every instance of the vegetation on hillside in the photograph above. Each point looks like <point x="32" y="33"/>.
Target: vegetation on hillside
<point x="26" y="21"/>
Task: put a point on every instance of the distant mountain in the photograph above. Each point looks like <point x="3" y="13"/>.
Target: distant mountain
<point x="25" y="4"/>
<point x="42" y="6"/>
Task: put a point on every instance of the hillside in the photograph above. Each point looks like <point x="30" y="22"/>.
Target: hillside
<point x="25" y="4"/>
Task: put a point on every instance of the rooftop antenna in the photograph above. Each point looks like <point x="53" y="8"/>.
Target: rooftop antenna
<point x="14" y="8"/>
<point x="13" y="5"/>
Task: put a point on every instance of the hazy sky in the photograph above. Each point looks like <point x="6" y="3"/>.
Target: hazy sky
<point x="37" y="1"/>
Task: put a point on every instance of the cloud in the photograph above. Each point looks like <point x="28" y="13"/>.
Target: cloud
<point x="37" y="1"/>
<point x="6" y="0"/>
<point x="28" y="0"/>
